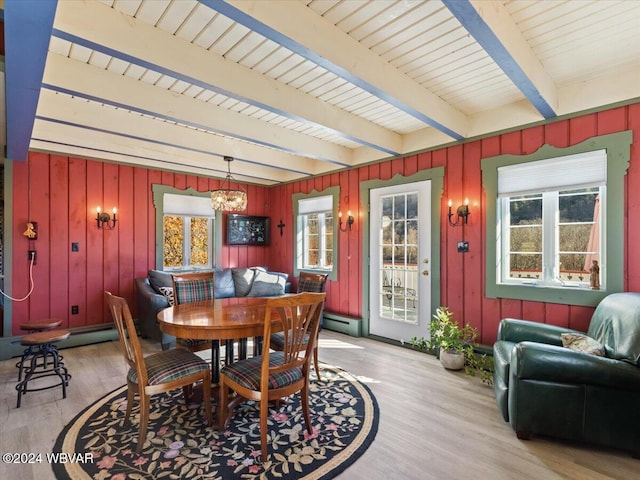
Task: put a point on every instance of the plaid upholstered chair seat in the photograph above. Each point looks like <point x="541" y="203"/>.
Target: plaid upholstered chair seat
<point x="247" y="373"/>
<point x="169" y="365"/>
<point x="192" y="343"/>
<point x="277" y="341"/>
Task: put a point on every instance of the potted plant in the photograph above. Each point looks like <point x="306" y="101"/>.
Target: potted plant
<point x="453" y="343"/>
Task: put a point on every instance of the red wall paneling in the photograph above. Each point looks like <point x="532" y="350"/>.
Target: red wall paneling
<point x="61" y="194"/>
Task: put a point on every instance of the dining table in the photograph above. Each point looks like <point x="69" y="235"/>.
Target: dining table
<point x="221" y="319"/>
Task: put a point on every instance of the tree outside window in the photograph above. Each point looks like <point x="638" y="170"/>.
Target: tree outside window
<point x="315" y="234"/>
<point x="554" y="213"/>
<point x="187" y="242"/>
<point x="562" y="227"/>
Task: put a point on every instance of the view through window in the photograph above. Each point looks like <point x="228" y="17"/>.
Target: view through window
<point x="551" y="224"/>
<point x="315" y="233"/>
<point x="187" y="232"/>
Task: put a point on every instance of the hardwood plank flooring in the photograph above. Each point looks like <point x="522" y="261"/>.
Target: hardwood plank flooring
<point x="434" y="424"/>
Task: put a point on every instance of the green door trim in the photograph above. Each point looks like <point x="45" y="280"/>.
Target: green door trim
<point x="436" y="175"/>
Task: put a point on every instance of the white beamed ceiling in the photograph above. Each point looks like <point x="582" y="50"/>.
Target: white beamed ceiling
<point x="293" y="89"/>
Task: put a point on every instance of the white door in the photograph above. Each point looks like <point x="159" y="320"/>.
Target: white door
<point x="400" y="269"/>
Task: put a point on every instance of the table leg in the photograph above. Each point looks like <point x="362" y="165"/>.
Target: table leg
<point x="242" y="348"/>
<point x="257" y="346"/>
<point x="215" y="362"/>
<point x="229" y="351"/>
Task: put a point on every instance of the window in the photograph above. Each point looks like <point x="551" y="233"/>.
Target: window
<point x="187" y="242"/>
<point x="550" y="214"/>
<point x="187" y="229"/>
<point x="549" y="223"/>
<point x="315" y="224"/>
<point x="315" y="234"/>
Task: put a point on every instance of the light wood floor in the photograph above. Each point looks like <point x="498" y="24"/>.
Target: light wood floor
<point x="434" y="424"/>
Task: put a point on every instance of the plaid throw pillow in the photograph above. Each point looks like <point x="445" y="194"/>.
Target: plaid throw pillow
<point x="194" y="290"/>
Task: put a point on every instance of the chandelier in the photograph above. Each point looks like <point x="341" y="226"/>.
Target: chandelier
<point x="227" y="199"/>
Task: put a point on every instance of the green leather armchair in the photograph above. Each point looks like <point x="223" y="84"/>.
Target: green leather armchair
<point x="544" y="388"/>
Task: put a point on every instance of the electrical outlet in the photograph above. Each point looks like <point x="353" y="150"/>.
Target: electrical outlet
<point x="75" y="309"/>
<point x="32" y="255"/>
<point x="463" y="247"/>
<point x="75" y="247"/>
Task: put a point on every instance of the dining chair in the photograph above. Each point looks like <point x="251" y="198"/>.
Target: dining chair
<point x="156" y="373"/>
<point x="307" y="282"/>
<point x="275" y="375"/>
<point x="193" y="287"/>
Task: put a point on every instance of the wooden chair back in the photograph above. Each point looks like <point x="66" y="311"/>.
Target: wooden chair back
<point x="300" y="319"/>
<point x="127" y="335"/>
<point x="312" y="282"/>
<point x="193" y="287"/>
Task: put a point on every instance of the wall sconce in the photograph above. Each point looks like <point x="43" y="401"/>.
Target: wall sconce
<point x="462" y="212"/>
<point x="349" y="222"/>
<point x="106" y="221"/>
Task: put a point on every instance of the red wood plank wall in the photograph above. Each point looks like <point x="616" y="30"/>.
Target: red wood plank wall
<point x="61" y="194"/>
<point x="462" y="276"/>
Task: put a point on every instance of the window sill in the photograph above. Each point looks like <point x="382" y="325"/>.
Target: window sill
<point x="566" y="295"/>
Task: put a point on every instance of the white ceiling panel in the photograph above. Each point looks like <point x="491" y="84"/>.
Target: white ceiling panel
<point x="305" y="87"/>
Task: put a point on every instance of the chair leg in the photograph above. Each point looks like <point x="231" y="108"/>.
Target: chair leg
<point x="264" y="413"/>
<point x="224" y="405"/>
<point x="315" y="362"/>
<point x="304" y="399"/>
<point x="131" y="396"/>
<point x="144" y="419"/>
<point x="206" y="397"/>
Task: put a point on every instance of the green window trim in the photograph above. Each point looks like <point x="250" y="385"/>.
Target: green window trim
<point x="617" y="146"/>
<point x="295" y="198"/>
<point x="158" y="201"/>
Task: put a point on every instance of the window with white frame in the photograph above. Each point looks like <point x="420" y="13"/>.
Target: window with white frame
<point x="550" y="214"/>
<point x="188" y="223"/>
<point x="550" y="221"/>
<point x="315" y="233"/>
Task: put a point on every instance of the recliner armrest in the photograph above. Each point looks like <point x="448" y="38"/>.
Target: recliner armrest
<point x="550" y="363"/>
<point x="514" y="330"/>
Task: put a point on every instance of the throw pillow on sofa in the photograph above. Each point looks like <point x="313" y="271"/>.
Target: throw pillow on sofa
<point x="158" y="278"/>
<point x="224" y="286"/>
<point x="582" y="343"/>
<point x="243" y="279"/>
<point x="168" y="293"/>
<point x="268" y="284"/>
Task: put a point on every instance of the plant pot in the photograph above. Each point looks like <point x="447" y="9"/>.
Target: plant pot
<point x="451" y="360"/>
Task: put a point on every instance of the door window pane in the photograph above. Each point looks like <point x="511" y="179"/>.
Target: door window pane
<point x="399" y="257"/>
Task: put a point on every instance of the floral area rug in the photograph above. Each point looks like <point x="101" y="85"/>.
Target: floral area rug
<point x="344" y="415"/>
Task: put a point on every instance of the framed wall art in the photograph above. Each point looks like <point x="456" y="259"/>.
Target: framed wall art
<point x="247" y="230"/>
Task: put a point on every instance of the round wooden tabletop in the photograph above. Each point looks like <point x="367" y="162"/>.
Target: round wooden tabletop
<point x="219" y="319"/>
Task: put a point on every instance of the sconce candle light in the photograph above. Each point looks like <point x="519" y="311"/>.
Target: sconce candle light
<point x="349" y="222"/>
<point x="461" y="212"/>
<point x="104" y="220"/>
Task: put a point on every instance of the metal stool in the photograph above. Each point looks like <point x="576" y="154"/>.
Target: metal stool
<point x="41" y="344"/>
<point x="37" y="326"/>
